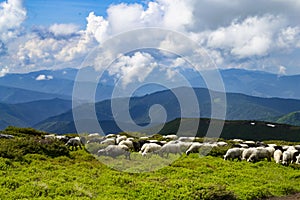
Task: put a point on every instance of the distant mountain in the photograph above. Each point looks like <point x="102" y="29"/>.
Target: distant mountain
<point x="61" y="82"/>
<point x="292" y="118"/>
<point x="28" y="114"/>
<point x="239" y="107"/>
<point x="261" y="84"/>
<point x="16" y="95"/>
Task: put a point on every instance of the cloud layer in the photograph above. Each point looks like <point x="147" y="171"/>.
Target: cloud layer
<point x="257" y="34"/>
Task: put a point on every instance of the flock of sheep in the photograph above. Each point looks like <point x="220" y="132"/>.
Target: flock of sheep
<point x="254" y="151"/>
<point x="115" y="145"/>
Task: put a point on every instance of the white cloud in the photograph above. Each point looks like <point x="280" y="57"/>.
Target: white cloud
<point x="133" y="68"/>
<point x="63" y="29"/>
<point x="251" y="37"/>
<point x="4" y="71"/>
<point x="231" y="32"/>
<point x="43" y="77"/>
<point x="282" y="70"/>
<point x="12" y="14"/>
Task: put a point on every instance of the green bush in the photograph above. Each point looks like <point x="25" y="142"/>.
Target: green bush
<point x="22" y="132"/>
<point x="17" y="147"/>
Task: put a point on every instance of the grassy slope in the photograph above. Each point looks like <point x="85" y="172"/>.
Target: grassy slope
<point x="82" y="176"/>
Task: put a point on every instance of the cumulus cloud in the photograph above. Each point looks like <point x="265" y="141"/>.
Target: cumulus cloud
<point x="231" y="32"/>
<point x="251" y="37"/>
<point x="133" y="68"/>
<point x="4" y="71"/>
<point x="12" y="14"/>
<point x="43" y="77"/>
<point x="63" y="29"/>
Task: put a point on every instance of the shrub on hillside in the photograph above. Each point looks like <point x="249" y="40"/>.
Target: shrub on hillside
<point x="22" y="132"/>
<point x="18" y="147"/>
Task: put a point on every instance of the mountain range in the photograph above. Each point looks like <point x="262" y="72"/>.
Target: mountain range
<point x="42" y="99"/>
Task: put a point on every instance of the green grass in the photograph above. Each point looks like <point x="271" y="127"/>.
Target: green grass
<point x="81" y="176"/>
<point x="31" y="169"/>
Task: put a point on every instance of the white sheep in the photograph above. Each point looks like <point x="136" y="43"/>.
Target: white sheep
<point x="127" y="143"/>
<point x="277" y="156"/>
<point x="108" y="141"/>
<point x="170" y="148"/>
<point x="170" y="137"/>
<point x="194" y="148"/>
<point x="120" y="138"/>
<point x="222" y="144"/>
<point x="114" y="151"/>
<point x="150" y="148"/>
<point x="271" y="150"/>
<point x="233" y="153"/>
<point x="247" y="152"/>
<point x="298" y="159"/>
<point x="258" y="154"/>
<point x="186" y="139"/>
<point x="286" y="157"/>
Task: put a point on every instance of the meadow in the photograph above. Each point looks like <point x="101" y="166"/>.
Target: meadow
<point x="41" y="174"/>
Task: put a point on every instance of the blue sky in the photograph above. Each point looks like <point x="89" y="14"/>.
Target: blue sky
<point x="45" y="12"/>
<point x="251" y="34"/>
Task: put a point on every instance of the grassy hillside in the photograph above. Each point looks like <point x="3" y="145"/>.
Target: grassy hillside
<point x="291" y="118"/>
<point x="36" y="174"/>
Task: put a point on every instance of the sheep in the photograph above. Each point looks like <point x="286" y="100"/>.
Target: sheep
<point x="170" y="137"/>
<point x="110" y="136"/>
<point x="247" y="152"/>
<point x="258" y="154"/>
<point x="298" y="159"/>
<point x="271" y="150"/>
<point x="250" y="143"/>
<point x="73" y="142"/>
<point x="127" y="143"/>
<point x="114" y="151"/>
<point x="222" y="144"/>
<point x="62" y="138"/>
<point x="286" y="157"/>
<point x="277" y="156"/>
<point x="194" y="148"/>
<point x="233" y="153"/>
<point x="150" y="148"/>
<point x="95" y="140"/>
<point x="170" y="148"/>
<point x="186" y="139"/>
<point x="5" y="136"/>
<point x="93" y="135"/>
<point x="109" y="141"/>
<point x="120" y="138"/>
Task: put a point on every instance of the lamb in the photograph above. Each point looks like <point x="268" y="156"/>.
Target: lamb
<point x="170" y="148"/>
<point x="194" y="148"/>
<point x="258" y="154"/>
<point x="277" y="156"/>
<point x="233" y="153"/>
<point x="150" y="148"/>
<point x="114" y="151"/>
<point x="74" y="142"/>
